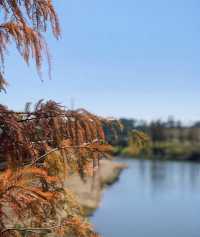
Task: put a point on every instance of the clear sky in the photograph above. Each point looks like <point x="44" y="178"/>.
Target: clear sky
<point x="130" y="58"/>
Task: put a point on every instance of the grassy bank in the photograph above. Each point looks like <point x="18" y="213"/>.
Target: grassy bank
<point x="163" y="151"/>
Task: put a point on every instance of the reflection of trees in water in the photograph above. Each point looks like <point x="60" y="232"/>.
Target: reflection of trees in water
<point x="143" y="170"/>
<point x="158" y="176"/>
<point x="168" y="176"/>
<point x="194" y="176"/>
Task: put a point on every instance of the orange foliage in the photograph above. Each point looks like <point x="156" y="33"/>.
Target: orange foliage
<point x="40" y="148"/>
<point x="25" y="22"/>
<point x="32" y="195"/>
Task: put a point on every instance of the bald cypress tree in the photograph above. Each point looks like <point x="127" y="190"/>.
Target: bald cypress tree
<point x="24" y="22"/>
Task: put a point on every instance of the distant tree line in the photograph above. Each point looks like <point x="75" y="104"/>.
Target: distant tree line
<point x="158" y="131"/>
<point x="169" y="139"/>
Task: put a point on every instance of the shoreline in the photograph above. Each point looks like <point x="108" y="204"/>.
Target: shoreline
<point x="89" y="192"/>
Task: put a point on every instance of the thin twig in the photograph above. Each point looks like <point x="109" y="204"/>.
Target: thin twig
<point x="63" y="148"/>
<point x="31" y="229"/>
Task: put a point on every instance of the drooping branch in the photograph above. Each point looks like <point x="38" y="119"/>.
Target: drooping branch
<point x="25" y="22"/>
<point x="28" y="135"/>
<point x="40" y="147"/>
<point x="36" y="13"/>
<point x="101" y="149"/>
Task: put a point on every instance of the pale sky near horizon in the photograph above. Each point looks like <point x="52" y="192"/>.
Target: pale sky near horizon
<point x="130" y="58"/>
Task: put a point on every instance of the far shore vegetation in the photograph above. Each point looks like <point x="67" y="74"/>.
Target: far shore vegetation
<point x="164" y="140"/>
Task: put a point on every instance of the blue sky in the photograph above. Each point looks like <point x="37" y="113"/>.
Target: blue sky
<point x="130" y="58"/>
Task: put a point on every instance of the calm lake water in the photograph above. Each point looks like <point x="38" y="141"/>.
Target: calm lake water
<point x="152" y="199"/>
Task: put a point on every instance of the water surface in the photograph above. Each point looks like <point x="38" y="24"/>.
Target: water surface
<point x="152" y="199"/>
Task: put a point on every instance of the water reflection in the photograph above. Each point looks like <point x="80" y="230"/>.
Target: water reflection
<point x="152" y="198"/>
<point x="162" y="176"/>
